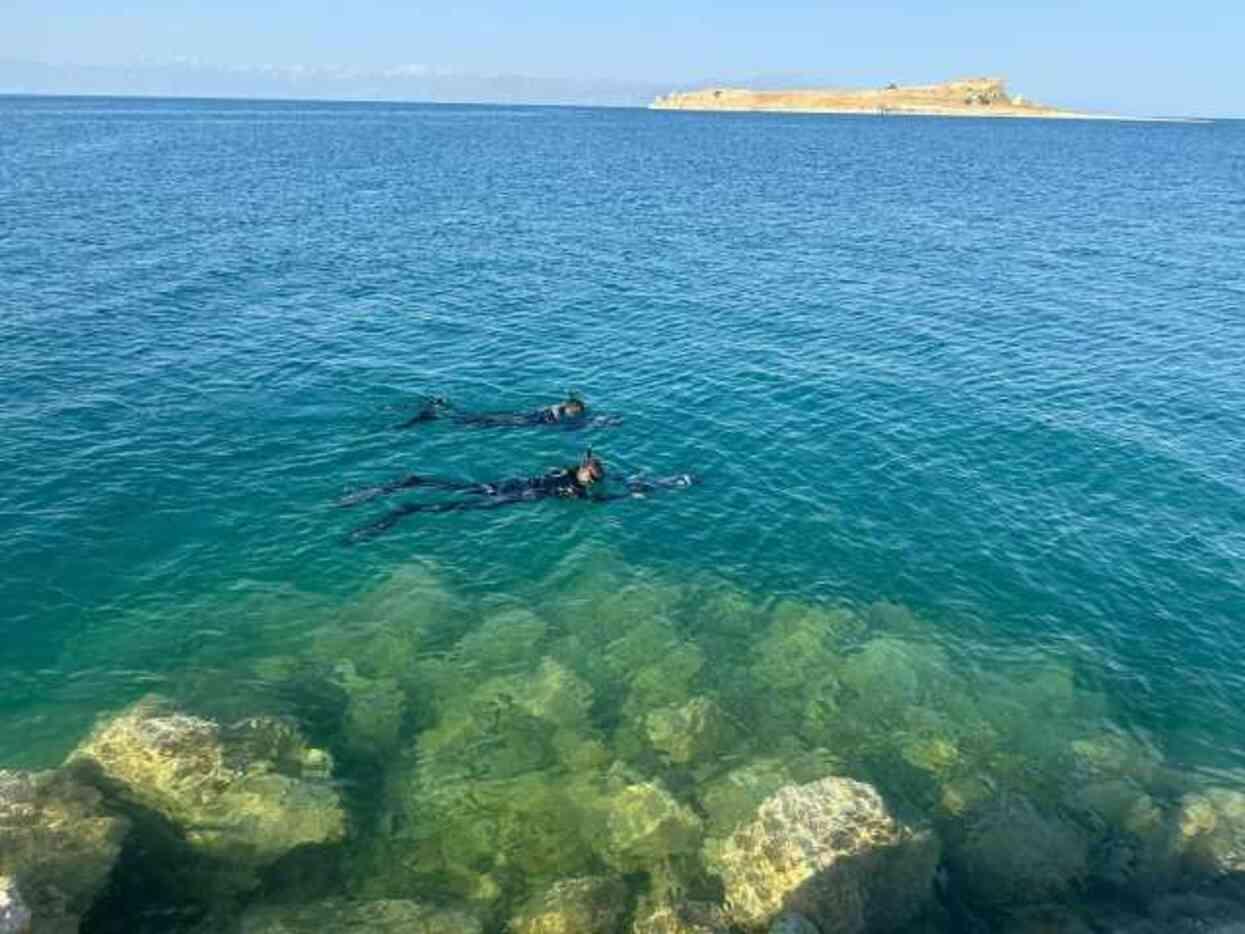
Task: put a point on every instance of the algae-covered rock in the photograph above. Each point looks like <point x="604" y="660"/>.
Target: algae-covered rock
<point x="656" y="916"/>
<point x="731" y="798"/>
<point x="58" y="843"/>
<point x="663" y="679"/>
<point x="1010" y="854"/>
<point x="1111" y="756"/>
<point x="508" y="725"/>
<point x="892" y="674"/>
<point x="241" y="795"/>
<point x="453" y="831"/>
<point x="693" y="732"/>
<point x="960" y="795"/>
<point x="592" y="905"/>
<point x="644" y="825"/>
<point x="1211" y="832"/>
<point x="504" y="641"/>
<point x="799" y="647"/>
<point x="552" y="693"/>
<point x="374" y="708"/>
<point x="830" y="850"/>
<point x="490" y="736"/>
<point x="726" y="613"/>
<point x="14" y="915"/>
<point x="383" y="630"/>
<point x="386" y="916"/>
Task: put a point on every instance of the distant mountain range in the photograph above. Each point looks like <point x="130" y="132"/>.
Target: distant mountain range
<point x="398" y="82"/>
<point x="402" y="82"/>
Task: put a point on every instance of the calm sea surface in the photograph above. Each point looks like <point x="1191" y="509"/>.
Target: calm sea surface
<point x="981" y="381"/>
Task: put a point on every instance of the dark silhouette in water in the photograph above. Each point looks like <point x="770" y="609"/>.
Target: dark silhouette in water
<point x="571" y="413"/>
<point x="578" y="481"/>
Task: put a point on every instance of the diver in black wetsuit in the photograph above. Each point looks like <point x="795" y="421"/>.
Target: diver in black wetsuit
<point x="569" y="413"/>
<point x="575" y="482"/>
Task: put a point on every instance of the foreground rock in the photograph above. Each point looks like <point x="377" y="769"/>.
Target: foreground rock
<point x="14" y="915"/>
<point x="831" y="851"/>
<point x="387" y="916"/>
<point x="240" y="796"/>
<point x="1211" y="832"/>
<point x="593" y="905"/>
<point x="56" y="839"/>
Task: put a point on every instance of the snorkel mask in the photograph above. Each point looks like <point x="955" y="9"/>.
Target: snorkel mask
<point x="596" y="469"/>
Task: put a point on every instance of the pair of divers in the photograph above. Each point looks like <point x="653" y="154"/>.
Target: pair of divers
<point x="571" y="413"/>
<point x="584" y="480"/>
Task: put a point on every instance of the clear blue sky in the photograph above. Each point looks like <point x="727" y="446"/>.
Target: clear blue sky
<point x="1150" y="57"/>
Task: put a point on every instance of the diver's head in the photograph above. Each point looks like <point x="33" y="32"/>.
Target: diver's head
<point x="590" y="469"/>
<point x="572" y="407"/>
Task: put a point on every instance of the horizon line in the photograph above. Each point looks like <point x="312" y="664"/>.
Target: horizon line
<point x="123" y="95"/>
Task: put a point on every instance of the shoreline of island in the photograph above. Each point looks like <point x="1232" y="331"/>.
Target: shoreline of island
<point x="972" y="97"/>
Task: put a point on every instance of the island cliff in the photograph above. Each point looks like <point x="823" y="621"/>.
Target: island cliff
<point x="972" y="97"/>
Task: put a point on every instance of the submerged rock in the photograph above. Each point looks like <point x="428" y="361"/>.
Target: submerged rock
<point x="791" y="922"/>
<point x="1211" y="832"/>
<point x="507" y="726"/>
<point x="644" y="825"/>
<point x="654" y="916"/>
<point x="504" y="641"/>
<point x="593" y="905"/>
<point x="242" y="796"/>
<point x="794" y="667"/>
<point x="14" y="915"/>
<point x="56" y="839"/>
<point x="689" y="733"/>
<point x="1045" y="919"/>
<point x="1106" y="756"/>
<point x="1010" y="854"/>
<point x="466" y="836"/>
<point x="830" y="850"/>
<point x="668" y="680"/>
<point x="374" y="709"/>
<point x="386" y="916"/>
<point x="730" y="799"/>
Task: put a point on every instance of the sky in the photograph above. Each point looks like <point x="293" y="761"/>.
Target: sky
<point x="1138" y="57"/>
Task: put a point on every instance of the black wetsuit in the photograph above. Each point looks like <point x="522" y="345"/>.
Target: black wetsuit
<point x="562" y="484"/>
<point x="550" y="415"/>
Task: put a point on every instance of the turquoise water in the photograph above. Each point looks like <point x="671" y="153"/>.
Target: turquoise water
<point x="978" y="384"/>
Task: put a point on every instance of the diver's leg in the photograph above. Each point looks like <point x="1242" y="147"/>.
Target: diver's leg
<point x="431" y="412"/>
<point x="495" y="420"/>
<point x="393" y="517"/>
<point x="409" y="483"/>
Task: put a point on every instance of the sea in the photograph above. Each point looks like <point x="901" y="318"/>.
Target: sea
<point x="963" y="399"/>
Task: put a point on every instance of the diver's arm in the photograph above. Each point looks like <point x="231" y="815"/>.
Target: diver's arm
<point x="639" y="487"/>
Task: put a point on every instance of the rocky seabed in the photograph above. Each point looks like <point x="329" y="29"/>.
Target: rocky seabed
<point x="628" y="755"/>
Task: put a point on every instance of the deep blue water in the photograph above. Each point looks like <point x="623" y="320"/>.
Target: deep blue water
<point x="989" y="370"/>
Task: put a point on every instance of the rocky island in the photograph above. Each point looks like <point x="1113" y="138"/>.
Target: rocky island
<point x="972" y="97"/>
